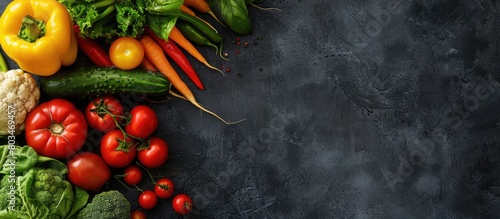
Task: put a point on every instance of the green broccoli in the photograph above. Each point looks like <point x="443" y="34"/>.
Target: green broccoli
<point x="107" y="205"/>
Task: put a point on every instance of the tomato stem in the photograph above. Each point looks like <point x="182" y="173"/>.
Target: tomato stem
<point x="147" y="171"/>
<point x="56" y="129"/>
<point x="101" y="109"/>
<point x="163" y="186"/>
<point x="188" y="206"/>
<point x="116" y="177"/>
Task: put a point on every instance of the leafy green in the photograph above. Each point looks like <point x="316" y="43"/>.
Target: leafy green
<point x="161" y="25"/>
<point x="81" y="199"/>
<point x="34" y="186"/>
<point x="106" y="18"/>
<point x="130" y="19"/>
<point x="162" y="15"/>
<point x="21" y="159"/>
<point x="163" y="7"/>
<point x="115" y="18"/>
<point x="235" y="15"/>
<point x="88" y="15"/>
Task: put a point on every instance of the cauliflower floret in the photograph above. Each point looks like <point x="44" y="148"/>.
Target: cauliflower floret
<point x="19" y="94"/>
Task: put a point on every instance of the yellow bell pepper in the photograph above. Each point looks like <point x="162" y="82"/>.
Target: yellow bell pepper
<point x="38" y="35"/>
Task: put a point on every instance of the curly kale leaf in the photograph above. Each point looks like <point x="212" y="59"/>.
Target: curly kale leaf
<point x="130" y="19"/>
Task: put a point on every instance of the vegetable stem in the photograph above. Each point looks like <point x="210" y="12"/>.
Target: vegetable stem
<point x="56" y="129"/>
<point x="111" y="8"/>
<point x="3" y="64"/>
<point x="211" y="13"/>
<point x="103" y="3"/>
<point x="31" y="29"/>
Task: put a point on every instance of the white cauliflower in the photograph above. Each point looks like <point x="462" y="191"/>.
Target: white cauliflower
<point x="19" y="94"/>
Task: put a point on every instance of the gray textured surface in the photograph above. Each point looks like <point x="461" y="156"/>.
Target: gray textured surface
<point x="355" y="109"/>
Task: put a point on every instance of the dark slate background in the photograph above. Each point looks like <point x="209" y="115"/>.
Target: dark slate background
<point x="354" y="109"/>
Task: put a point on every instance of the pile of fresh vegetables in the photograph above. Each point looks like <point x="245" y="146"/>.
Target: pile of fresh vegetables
<point x="130" y="44"/>
<point x="34" y="186"/>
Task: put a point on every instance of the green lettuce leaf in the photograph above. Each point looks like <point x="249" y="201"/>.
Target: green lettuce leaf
<point x="37" y="188"/>
<point x="20" y="158"/>
<point x="81" y="199"/>
<point x="161" y="25"/>
<point x="163" y="7"/>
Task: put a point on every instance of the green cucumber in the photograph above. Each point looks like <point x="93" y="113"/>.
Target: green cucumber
<point x="84" y="82"/>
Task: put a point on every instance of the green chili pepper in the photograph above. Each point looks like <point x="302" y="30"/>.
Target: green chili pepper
<point x="194" y="34"/>
<point x="202" y="26"/>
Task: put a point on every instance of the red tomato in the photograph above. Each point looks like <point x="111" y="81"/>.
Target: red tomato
<point x="143" y="122"/>
<point x="100" y="112"/>
<point x="88" y="171"/>
<point x="182" y="204"/>
<point x="148" y="199"/>
<point x="164" y="188"/>
<point x="155" y="155"/>
<point x="56" y="129"/>
<point x="132" y="175"/>
<point x="137" y="215"/>
<point x="116" y="151"/>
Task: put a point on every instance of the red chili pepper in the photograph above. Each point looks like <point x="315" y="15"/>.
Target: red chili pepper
<point x="174" y="52"/>
<point x="92" y="50"/>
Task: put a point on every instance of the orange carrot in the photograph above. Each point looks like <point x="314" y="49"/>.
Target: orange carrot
<point x="188" y="10"/>
<point x="177" y="37"/>
<point x="201" y="6"/>
<point x="155" y="54"/>
<point x="146" y="64"/>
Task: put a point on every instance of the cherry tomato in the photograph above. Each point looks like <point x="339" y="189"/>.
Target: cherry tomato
<point x="116" y="150"/>
<point x="143" y="123"/>
<point x="132" y="175"/>
<point x="88" y="171"/>
<point x="100" y="112"/>
<point x="164" y="188"/>
<point x="126" y="53"/>
<point x="182" y="204"/>
<point x="155" y="155"/>
<point x="56" y="129"/>
<point x="148" y="199"/>
<point x="137" y="215"/>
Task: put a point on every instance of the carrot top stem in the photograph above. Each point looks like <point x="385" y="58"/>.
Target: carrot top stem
<point x="211" y="13"/>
